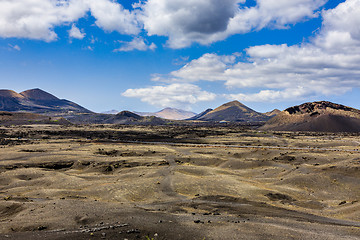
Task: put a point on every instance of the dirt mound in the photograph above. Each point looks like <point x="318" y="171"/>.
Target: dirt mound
<point x="320" y="116"/>
<point x="233" y="112"/>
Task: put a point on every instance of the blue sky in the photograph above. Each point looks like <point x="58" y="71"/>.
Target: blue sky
<point x="189" y="54"/>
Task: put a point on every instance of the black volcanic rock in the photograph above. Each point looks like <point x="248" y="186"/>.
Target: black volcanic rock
<point x="234" y="112"/>
<point x="37" y="101"/>
<point x="322" y="116"/>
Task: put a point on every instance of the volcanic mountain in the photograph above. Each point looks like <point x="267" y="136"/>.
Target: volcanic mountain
<point x="319" y="116"/>
<point x="169" y="113"/>
<point x="233" y="112"/>
<point x="37" y="101"/>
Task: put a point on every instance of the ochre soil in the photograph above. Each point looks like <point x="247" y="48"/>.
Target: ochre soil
<point x="127" y="182"/>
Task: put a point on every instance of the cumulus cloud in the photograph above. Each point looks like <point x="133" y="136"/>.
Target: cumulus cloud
<point x="187" y="21"/>
<point x="112" y="16"/>
<point x="136" y="44"/>
<point x="208" y="21"/>
<point x="183" y="22"/>
<point x="75" y="32"/>
<point x="36" y="19"/>
<point x="174" y="95"/>
<point x="329" y="64"/>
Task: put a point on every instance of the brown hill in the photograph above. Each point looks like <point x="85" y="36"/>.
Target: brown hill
<point x="320" y="116"/>
<point x="38" y="94"/>
<point x="233" y="112"/>
<point x="10" y="94"/>
<point x="37" y="101"/>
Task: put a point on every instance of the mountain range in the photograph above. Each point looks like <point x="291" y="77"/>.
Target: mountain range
<point x="37" y="101"/>
<point x="169" y="113"/>
<point x="323" y="116"/>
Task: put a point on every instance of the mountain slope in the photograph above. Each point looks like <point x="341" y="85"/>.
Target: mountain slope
<point x="233" y="112"/>
<point x="37" y="101"/>
<point x="23" y="118"/>
<point x="169" y="113"/>
<point x="196" y="117"/>
<point x="319" y="116"/>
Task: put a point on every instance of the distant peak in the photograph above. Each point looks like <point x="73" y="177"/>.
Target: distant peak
<point x="38" y="94"/>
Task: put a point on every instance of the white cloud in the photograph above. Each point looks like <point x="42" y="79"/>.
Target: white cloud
<point x="208" y="21"/>
<point x="328" y="65"/>
<point x="75" y="32"/>
<point x="183" y="22"/>
<point x="36" y="19"/>
<point x="136" y="44"/>
<point x="299" y="93"/>
<point x="111" y="16"/>
<point x="174" y="95"/>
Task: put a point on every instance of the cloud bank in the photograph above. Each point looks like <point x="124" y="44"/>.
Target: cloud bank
<point x="179" y="95"/>
<point x="328" y="65"/>
<point x="182" y="22"/>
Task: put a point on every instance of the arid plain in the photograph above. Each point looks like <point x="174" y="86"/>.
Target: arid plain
<point x="177" y="182"/>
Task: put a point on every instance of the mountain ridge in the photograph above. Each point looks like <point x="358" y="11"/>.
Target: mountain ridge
<point x="37" y="101"/>
<point x="233" y="111"/>
<point x="320" y="116"/>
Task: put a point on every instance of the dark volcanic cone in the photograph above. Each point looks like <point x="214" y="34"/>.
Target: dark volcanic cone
<point x="234" y="112"/>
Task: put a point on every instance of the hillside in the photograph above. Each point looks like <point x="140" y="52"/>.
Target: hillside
<point x="17" y="118"/>
<point x="233" y="112"/>
<point x="319" y="116"/>
<point x="37" y="101"/>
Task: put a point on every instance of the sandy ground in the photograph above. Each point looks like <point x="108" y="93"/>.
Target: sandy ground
<point x="177" y="183"/>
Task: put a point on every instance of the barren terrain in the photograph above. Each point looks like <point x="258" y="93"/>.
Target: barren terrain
<point x="177" y="182"/>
